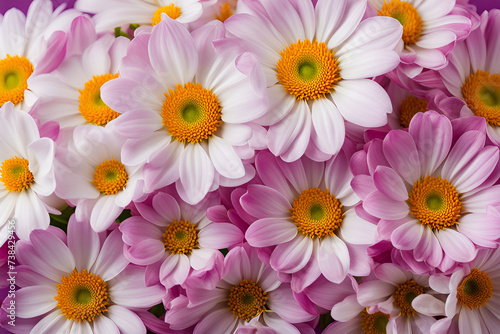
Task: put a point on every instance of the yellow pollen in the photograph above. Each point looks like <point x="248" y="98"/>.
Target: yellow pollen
<point x="475" y="290"/>
<point x="92" y="107"/>
<point x="15" y="174"/>
<point x="191" y="113"/>
<point x="435" y="202"/>
<point x="407" y="15"/>
<point x="82" y="296"/>
<point x="247" y="300"/>
<point x="308" y="70"/>
<point x="409" y="108"/>
<point x="225" y="12"/>
<point x="14" y="74"/>
<point x="481" y="91"/>
<point x="375" y="323"/>
<point x="180" y="237"/>
<point x="404" y="295"/>
<point x="171" y="10"/>
<point x="110" y="177"/>
<point x="317" y="213"/>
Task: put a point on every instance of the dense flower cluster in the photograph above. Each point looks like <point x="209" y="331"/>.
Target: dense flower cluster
<point x="251" y="166"/>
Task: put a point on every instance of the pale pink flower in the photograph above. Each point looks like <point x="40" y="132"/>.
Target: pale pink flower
<point x="27" y="174"/>
<point x="308" y="211"/>
<point x="81" y="282"/>
<point x="248" y="296"/>
<point x="188" y="108"/>
<point x="318" y="62"/>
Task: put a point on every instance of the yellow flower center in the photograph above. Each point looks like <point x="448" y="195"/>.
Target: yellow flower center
<point x="82" y="296"/>
<point x="409" y="108"/>
<point x="404" y="295"/>
<point x="435" y="202"/>
<point x="375" y="323"/>
<point x="247" y="300"/>
<point x="180" y="237"/>
<point x="92" y="107"/>
<point x="481" y="91"/>
<point x="14" y="74"/>
<point x="110" y="177"/>
<point x="308" y="70"/>
<point x="191" y="113"/>
<point x="171" y="10"/>
<point x="15" y="174"/>
<point x="475" y="290"/>
<point x="407" y="15"/>
<point x="225" y="12"/>
<point x="317" y="213"/>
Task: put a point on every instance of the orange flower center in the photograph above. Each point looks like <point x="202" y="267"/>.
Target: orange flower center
<point x="475" y="290"/>
<point x="247" y="300"/>
<point x="171" y="10"/>
<point x="481" y="91"/>
<point x="110" y="177"/>
<point x="180" y="237"/>
<point x="407" y="15"/>
<point x="404" y="295"/>
<point x="15" y="174"/>
<point x="375" y="323"/>
<point x="225" y="12"/>
<point x="14" y="74"/>
<point x="92" y="107"/>
<point x="409" y="108"/>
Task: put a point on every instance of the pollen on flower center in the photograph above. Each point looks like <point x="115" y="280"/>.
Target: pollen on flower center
<point x="409" y="108"/>
<point x="247" y="300"/>
<point x="407" y="15"/>
<point x="375" y="323"/>
<point x="180" y="237"/>
<point x="14" y="74"/>
<point x="15" y="174"/>
<point x="191" y="113"/>
<point x="435" y="202"/>
<point x="404" y="295"/>
<point x="481" y="92"/>
<point x="92" y="107"/>
<point x="171" y="10"/>
<point x="82" y="296"/>
<point x="110" y="177"/>
<point x="225" y="12"/>
<point x="317" y="213"/>
<point x="308" y="70"/>
<point x="475" y="290"/>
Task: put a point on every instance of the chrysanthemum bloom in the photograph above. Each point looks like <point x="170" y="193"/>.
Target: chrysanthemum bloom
<point x="392" y="294"/>
<point x="30" y="45"/>
<point x="473" y="73"/>
<point x="430" y="195"/>
<point x="91" y="175"/>
<point x="215" y="10"/>
<point x="473" y="296"/>
<point x="79" y="285"/>
<point x="188" y="108"/>
<point x="430" y="30"/>
<point x="71" y="94"/>
<point x="110" y="14"/>
<point x="172" y="237"/>
<point x="316" y="70"/>
<point x="249" y="295"/>
<point x="26" y="174"/>
<point x="307" y="210"/>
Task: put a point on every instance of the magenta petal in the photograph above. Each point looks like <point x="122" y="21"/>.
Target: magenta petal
<point x="401" y="152"/>
<point x="390" y="184"/>
<point x="146" y="252"/>
<point x="174" y="270"/>
<point x="219" y="235"/>
<point x="218" y="321"/>
<point x="384" y="207"/>
<point x="264" y="202"/>
<point x="270" y="231"/>
<point x="407" y="235"/>
<point x="284" y="304"/>
<point x="455" y="245"/>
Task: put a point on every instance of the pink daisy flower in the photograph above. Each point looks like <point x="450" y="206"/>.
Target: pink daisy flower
<point x="91" y="176"/>
<point x="307" y="210"/>
<point x="26" y="174"/>
<point x="71" y="94"/>
<point x="79" y="283"/>
<point x="430" y="30"/>
<point x="30" y="44"/>
<point x="110" y="14"/>
<point x="473" y="296"/>
<point x="174" y="238"/>
<point x="189" y="108"/>
<point x="249" y="296"/>
<point x="431" y="193"/>
<point x="392" y="294"/>
<point x="473" y="73"/>
<point x="317" y="70"/>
